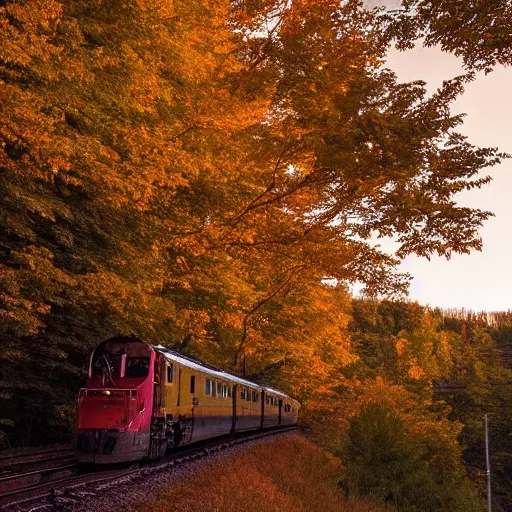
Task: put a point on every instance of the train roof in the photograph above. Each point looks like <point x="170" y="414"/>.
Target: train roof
<point x="195" y="364"/>
<point x="276" y="392"/>
<point x="203" y="367"/>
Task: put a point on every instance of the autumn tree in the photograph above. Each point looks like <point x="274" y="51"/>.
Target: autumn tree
<point x="343" y="161"/>
<point x="100" y="134"/>
<point x="371" y="153"/>
<point x="478" y="31"/>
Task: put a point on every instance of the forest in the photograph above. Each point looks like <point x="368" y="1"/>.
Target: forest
<point x="212" y="176"/>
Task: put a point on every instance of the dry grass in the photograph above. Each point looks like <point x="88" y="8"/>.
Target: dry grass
<point x="289" y="474"/>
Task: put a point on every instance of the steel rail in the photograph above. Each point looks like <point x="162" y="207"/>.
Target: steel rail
<point x="32" y="456"/>
<point x="25" y="480"/>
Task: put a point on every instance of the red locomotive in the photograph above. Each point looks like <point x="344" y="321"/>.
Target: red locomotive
<point x="141" y="400"/>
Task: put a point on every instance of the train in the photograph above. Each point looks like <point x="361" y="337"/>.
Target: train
<point x="142" y="400"/>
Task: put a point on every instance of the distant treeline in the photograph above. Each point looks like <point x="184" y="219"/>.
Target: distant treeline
<point x="493" y="319"/>
<point x="454" y="366"/>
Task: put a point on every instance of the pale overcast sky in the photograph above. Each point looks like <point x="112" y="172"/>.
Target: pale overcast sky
<point x="481" y="280"/>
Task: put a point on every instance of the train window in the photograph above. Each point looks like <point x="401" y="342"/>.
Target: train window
<point x="243" y="393"/>
<point x="137" y="367"/>
<point x="117" y="358"/>
<point x="255" y="397"/>
<point x="248" y="397"/>
<point x="193" y="384"/>
<point x="107" y="364"/>
<point x="170" y="373"/>
<point x="208" y="387"/>
<point x="267" y="399"/>
<point x="229" y="392"/>
<point x="219" y="388"/>
<point x="214" y="388"/>
<point x="225" y="390"/>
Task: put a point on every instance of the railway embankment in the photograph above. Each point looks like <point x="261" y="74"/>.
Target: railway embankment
<point x="281" y="474"/>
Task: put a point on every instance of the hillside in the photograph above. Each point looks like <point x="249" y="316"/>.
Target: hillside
<point x="279" y="475"/>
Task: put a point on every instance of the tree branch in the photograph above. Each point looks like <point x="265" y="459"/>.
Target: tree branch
<point x="284" y="282"/>
<point x="270" y="187"/>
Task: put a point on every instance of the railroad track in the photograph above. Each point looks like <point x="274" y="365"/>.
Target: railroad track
<point x="19" y="481"/>
<point x="8" y="461"/>
<point x="61" y="490"/>
<point x="21" y="471"/>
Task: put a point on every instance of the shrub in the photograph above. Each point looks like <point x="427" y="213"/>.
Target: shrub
<point x="387" y="462"/>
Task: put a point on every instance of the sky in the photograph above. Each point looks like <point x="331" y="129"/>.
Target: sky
<point x="482" y="280"/>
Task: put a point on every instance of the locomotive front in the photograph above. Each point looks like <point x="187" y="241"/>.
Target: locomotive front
<point x="115" y="407"/>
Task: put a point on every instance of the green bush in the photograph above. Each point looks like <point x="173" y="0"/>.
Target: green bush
<point x="385" y="461"/>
